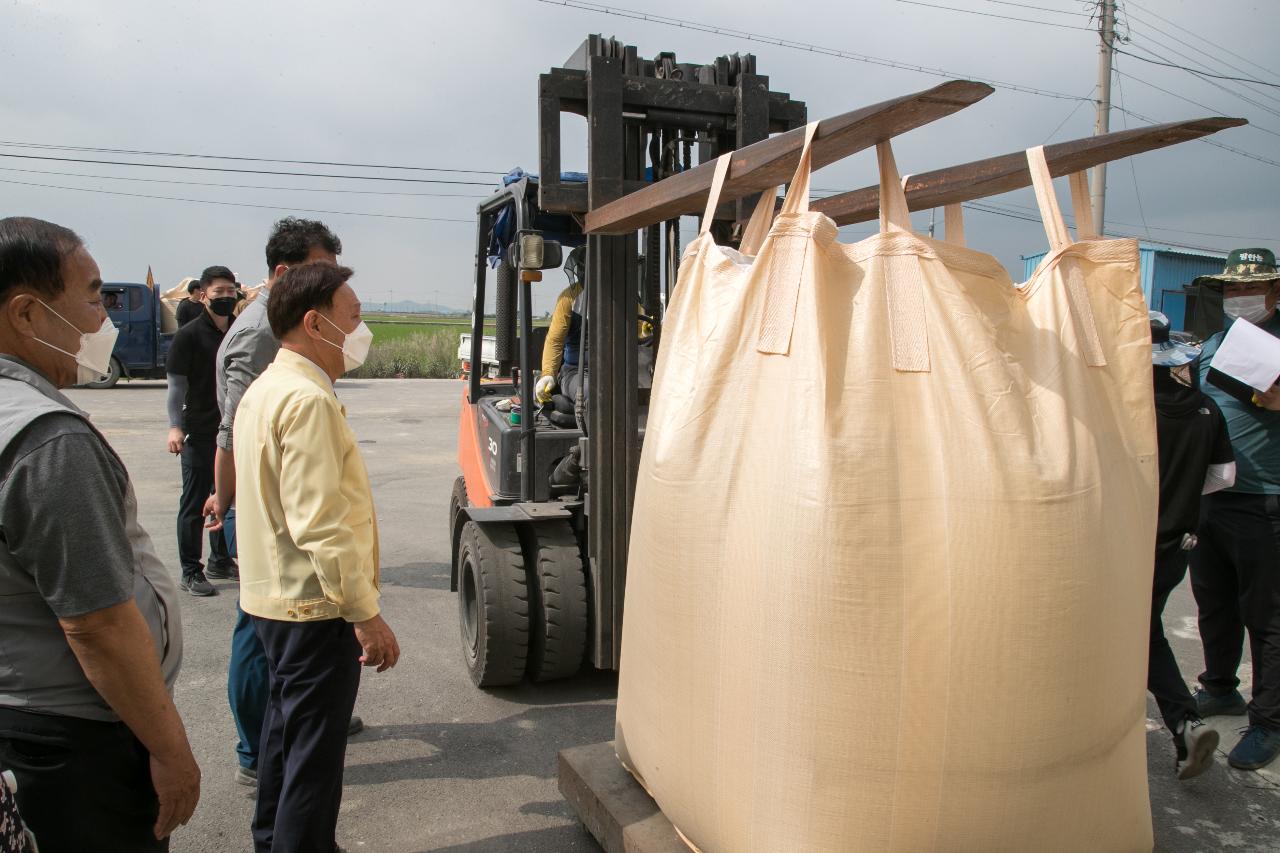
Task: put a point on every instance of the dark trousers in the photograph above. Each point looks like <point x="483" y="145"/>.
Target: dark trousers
<point x="83" y="785"/>
<point x="248" y="688"/>
<point x="315" y="674"/>
<point x="1235" y="575"/>
<point x="1164" y="679"/>
<point x="248" y="682"/>
<point x="197" y="485"/>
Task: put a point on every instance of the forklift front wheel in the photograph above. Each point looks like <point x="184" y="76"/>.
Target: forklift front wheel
<point x="493" y="604"/>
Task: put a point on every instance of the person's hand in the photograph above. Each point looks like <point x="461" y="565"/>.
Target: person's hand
<point x="543" y="390"/>
<point x="177" y="784"/>
<point x="176" y="439"/>
<point x="1269" y="399"/>
<point x="213" y="513"/>
<point x="378" y="642"/>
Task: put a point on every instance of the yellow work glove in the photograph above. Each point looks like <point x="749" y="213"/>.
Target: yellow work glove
<point x="543" y="390"/>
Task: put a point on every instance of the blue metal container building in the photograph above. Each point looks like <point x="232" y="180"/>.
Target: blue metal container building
<point x="1165" y="271"/>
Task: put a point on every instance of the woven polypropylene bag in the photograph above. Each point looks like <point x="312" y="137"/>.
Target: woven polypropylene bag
<point x="890" y="570"/>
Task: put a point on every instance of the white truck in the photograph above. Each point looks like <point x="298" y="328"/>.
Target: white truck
<point x="488" y="358"/>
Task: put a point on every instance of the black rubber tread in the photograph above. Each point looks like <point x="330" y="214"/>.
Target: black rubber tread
<point x="505" y="313"/>
<point x="457" y="500"/>
<point x="558" y="627"/>
<point x="502" y="596"/>
<point x="113" y="376"/>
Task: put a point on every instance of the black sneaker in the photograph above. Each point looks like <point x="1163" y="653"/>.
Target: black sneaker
<point x="195" y="584"/>
<point x="1230" y="705"/>
<point x="1258" y="748"/>
<point x="355" y="727"/>
<point x="228" y="571"/>
<point x="1195" y="744"/>
<point x="246" y="777"/>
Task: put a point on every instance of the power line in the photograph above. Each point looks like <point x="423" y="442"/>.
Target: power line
<point x="1039" y="8"/>
<point x="1214" y="83"/>
<point x="1205" y="40"/>
<point x="630" y="14"/>
<point x="1190" y="70"/>
<point x="1171" y="37"/>
<point x="1074" y="110"/>
<point x="1192" y="101"/>
<point x="1133" y="170"/>
<point x="50" y="146"/>
<point x="240" y="186"/>
<point x="236" y="203"/>
<point x="994" y="15"/>
<point x="248" y="171"/>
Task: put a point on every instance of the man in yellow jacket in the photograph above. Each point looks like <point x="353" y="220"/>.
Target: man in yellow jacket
<point x="308" y="538"/>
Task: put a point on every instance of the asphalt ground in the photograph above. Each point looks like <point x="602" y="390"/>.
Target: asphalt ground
<point x="443" y="766"/>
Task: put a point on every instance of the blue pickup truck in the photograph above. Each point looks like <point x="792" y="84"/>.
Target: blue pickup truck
<point x="146" y="331"/>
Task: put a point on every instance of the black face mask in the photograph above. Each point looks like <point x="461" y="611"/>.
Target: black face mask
<point x="1173" y="396"/>
<point x="223" y="306"/>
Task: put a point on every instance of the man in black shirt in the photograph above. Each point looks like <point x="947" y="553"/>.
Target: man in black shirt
<point x="1195" y="459"/>
<point x="193" y="427"/>
<point x="193" y="306"/>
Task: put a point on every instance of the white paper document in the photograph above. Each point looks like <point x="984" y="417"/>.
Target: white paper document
<point x="1250" y="355"/>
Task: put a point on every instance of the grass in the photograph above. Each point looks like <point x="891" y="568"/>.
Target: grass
<point x="419" y="346"/>
<point x="426" y="352"/>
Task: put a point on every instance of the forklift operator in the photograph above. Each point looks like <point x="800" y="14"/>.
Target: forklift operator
<point x="562" y="353"/>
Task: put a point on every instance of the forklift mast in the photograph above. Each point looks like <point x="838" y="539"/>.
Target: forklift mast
<point x="643" y="119"/>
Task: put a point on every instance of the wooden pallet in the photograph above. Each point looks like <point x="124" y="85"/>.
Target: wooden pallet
<point x="612" y="805"/>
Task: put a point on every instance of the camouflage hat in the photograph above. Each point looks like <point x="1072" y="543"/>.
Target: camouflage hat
<point x="1245" y="265"/>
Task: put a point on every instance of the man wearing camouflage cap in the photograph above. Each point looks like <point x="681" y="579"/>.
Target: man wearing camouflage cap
<point x="1235" y="569"/>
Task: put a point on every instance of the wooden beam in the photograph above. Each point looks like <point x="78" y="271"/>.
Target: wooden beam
<point x="773" y="161"/>
<point x="996" y="175"/>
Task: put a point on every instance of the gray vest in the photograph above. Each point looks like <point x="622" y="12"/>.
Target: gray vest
<point x="37" y="668"/>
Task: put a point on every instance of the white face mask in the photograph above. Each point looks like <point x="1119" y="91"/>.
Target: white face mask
<point x="1251" y="308"/>
<point x="93" y="358"/>
<point x="355" y="346"/>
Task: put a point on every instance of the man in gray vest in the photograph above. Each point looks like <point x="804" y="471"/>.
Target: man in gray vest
<point x="92" y="639"/>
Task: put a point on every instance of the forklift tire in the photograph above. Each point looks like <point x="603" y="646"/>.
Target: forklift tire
<point x="493" y="604"/>
<point x="558" y="602"/>
<point x="114" y="372"/>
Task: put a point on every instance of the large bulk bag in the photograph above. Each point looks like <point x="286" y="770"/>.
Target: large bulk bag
<point x="890" y="566"/>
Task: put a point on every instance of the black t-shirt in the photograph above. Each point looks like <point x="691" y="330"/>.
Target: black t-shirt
<point x="1189" y="443"/>
<point x="188" y="311"/>
<point x="194" y="354"/>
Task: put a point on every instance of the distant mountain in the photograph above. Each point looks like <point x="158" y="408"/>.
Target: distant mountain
<point x="406" y="306"/>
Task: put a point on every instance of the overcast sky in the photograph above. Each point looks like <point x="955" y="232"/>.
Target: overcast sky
<point x="453" y="85"/>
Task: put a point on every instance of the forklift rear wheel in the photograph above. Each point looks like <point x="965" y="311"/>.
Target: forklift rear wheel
<point x="457" y="500"/>
<point x="558" y="603"/>
<point x="114" y="372"/>
<point x="493" y="602"/>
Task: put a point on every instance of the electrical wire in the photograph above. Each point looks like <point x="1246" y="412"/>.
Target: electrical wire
<point x="1190" y="70"/>
<point x="1205" y="40"/>
<point x="81" y="148"/>
<point x="1074" y="110"/>
<point x="994" y="15"/>
<point x="1137" y="79"/>
<point x="1133" y="170"/>
<point x="249" y="171"/>
<point x="240" y="186"/>
<point x="837" y="53"/>
<point x="1039" y="8"/>
<point x="236" y="203"/>
<point x="1217" y="60"/>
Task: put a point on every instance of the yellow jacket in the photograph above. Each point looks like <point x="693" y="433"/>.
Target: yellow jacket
<point x="306" y="528"/>
<point x="553" y="347"/>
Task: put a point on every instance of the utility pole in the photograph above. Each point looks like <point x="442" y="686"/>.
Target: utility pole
<point x="1107" y="40"/>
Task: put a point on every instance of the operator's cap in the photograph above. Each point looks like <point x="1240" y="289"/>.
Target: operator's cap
<point x="1164" y="351"/>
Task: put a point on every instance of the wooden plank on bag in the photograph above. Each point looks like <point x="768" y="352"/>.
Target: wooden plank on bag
<point x="983" y="178"/>
<point x="612" y="805"/>
<point x="770" y="162"/>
